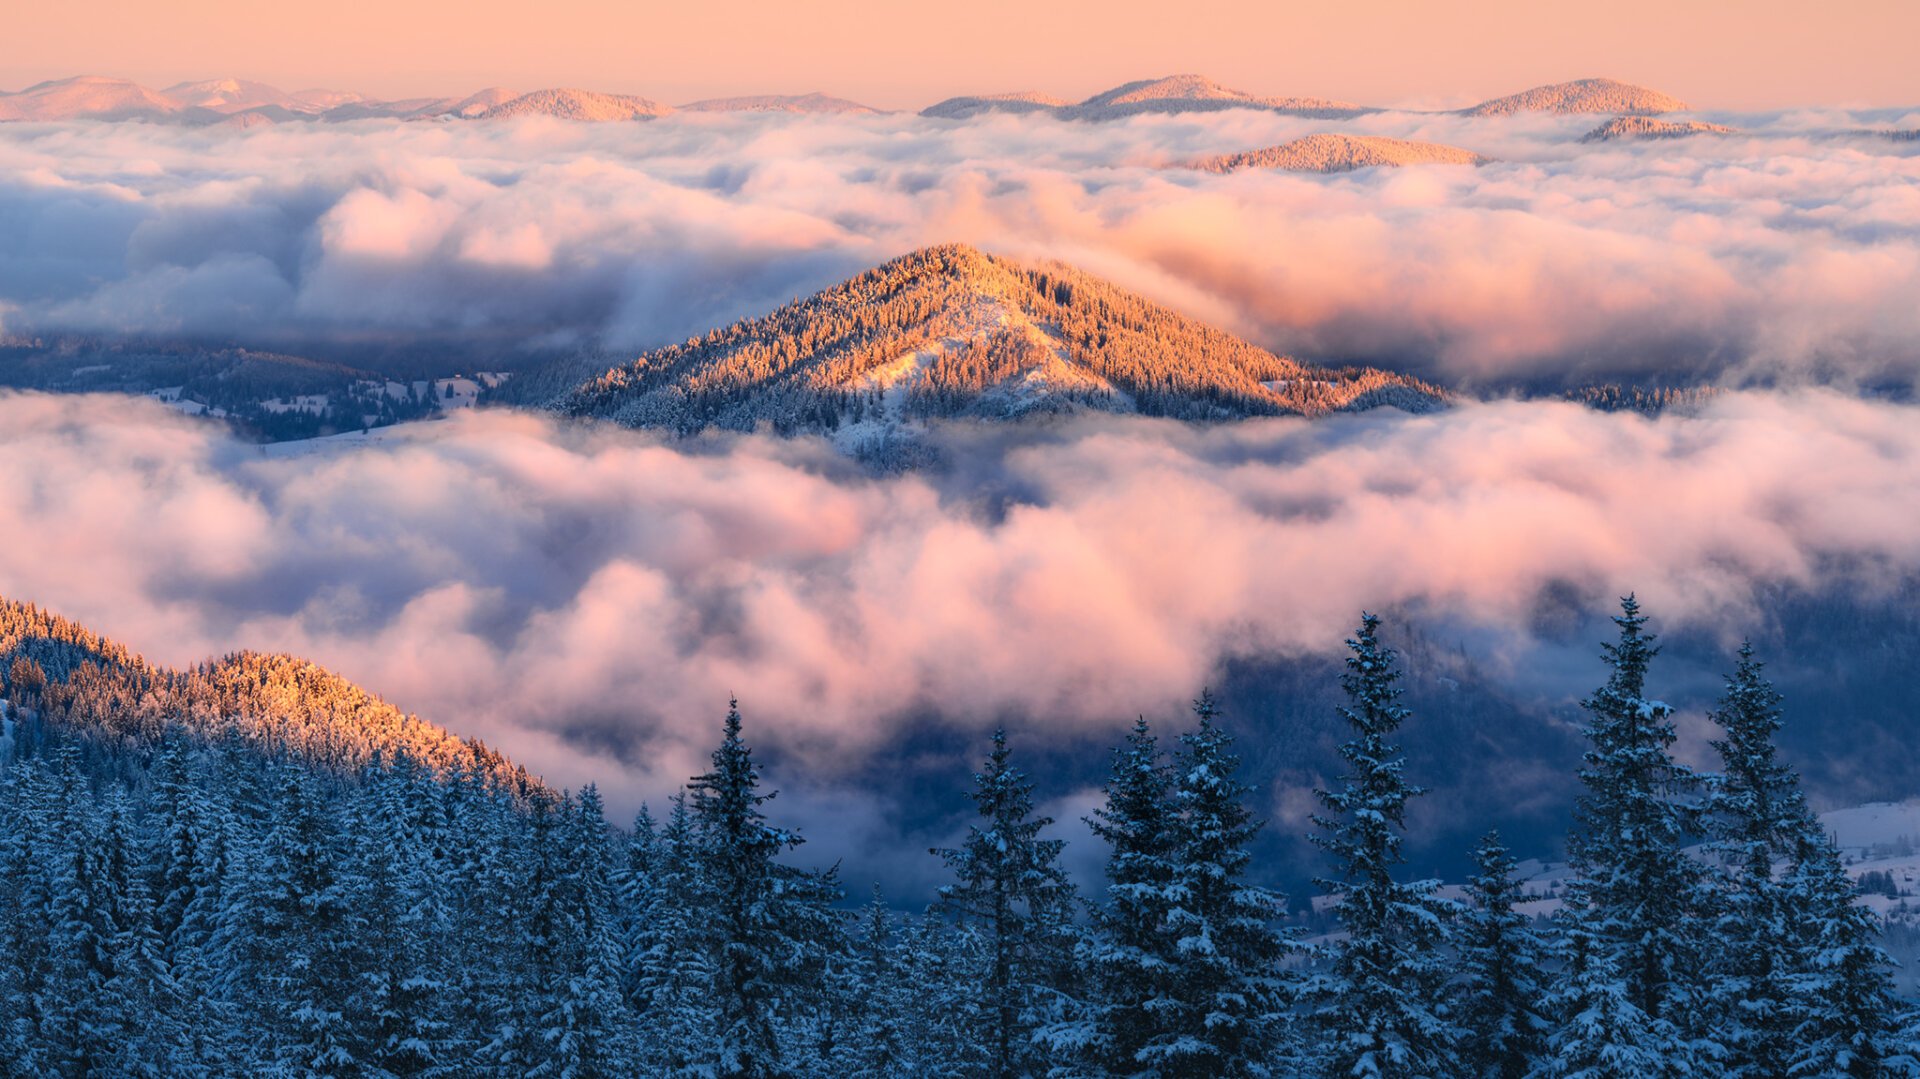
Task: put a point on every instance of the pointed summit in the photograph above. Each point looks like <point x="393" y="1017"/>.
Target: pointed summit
<point x="951" y="331"/>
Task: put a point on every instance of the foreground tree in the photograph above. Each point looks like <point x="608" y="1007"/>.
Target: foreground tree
<point x="756" y="954"/>
<point x="1009" y="888"/>
<point x="1756" y="820"/>
<point x="1223" y="999"/>
<point x="1501" y="983"/>
<point x="1380" y="1005"/>
<point x="1634" y="905"/>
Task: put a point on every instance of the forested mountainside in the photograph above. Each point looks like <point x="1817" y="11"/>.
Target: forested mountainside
<point x="1648" y="127"/>
<point x="1327" y="152"/>
<point x="172" y="906"/>
<point x="1582" y="95"/>
<point x="73" y="679"/>
<point x="954" y="332"/>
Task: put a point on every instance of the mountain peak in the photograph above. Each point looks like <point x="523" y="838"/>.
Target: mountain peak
<point x="1582" y="95"/>
<point x="567" y="103"/>
<point x="1335" y="152"/>
<point x="951" y="331"/>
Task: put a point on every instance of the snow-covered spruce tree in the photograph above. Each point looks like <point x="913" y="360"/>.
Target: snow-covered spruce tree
<point x="1756" y="819"/>
<point x="1636" y="896"/>
<point x="582" y="1021"/>
<point x="1010" y="889"/>
<point x="1224" y="1000"/>
<point x="878" y="1049"/>
<point x="1380" y="1006"/>
<point x="673" y="966"/>
<point x="1131" y="955"/>
<point x="1847" y="1020"/>
<point x="1500" y="984"/>
<point x="1599" y="1032"/>
<point x="755" y="919"/>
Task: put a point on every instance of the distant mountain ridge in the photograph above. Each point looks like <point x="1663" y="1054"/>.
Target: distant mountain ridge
<point x="1647" y="127"/>
<point x="1167" y="95"/>
<point x="949" y="332"/>
<point x="1582" y="95"/>
<point x="1329" y="152"/>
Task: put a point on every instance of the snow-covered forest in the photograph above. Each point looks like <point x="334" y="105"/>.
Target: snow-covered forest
<point x="189" y="889"/>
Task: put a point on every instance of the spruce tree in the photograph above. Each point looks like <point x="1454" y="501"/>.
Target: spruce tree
<point x="1635" y="893"/>
<point x="1756" y="819"/>
<point x="1501" y="977"/>
<point x="756" y="951"/>
<point x="1221" y="1013"/>
<point x="1009" y="887"/>
<point x="1132" y="955"/>
<point x="1380" y="1006"/>
<point x="1847" y="1020"/>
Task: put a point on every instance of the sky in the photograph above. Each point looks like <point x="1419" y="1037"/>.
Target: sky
<point x="1751" y="54"/>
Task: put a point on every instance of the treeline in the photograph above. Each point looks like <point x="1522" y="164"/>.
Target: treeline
<point x="175" y="902"/>
<point x="810" y="366"/>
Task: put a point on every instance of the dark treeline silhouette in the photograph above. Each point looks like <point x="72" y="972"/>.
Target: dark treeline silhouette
<point x="188" y="887"/>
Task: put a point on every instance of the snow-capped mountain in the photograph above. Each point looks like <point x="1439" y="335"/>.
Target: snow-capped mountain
<point x="87" y="97"/>
<point x="237" y="95"/>
<point x="815" y="102"/>
<point x="1170" y="94"/>
<point x="954" y="332"/>
<point x="570" y="104"/>
<point x="1342" y="153"/>
<point x="1582" y="95"/>
<point x="1646" y="127"/>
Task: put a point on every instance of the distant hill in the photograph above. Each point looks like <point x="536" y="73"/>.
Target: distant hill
<point x="567" y="104"/>
<point x="237" y="95"/>
<point x="953" y="332"/>
<point x="477" y="103"/>
<point x="1646" y="127"/>
<point x="1195" y="93"/>
<point x="1583" y="95"/>
<point x="812" y="103"/>
<point x="80" y="681"/>
<point x="1341" y="153"/>
<point x="88" y="97"/>
<point x="1018" y="103"/>
<point x="1172" y="94"/>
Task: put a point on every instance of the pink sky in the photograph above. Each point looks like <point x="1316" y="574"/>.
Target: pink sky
<point x="1713" y="53"/>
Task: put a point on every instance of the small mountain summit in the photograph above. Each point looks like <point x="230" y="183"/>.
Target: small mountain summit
<point x="1195" y="93"/>
<point x="584" y="105"/>
<point x="1342" y="153"/>
<point x="815" y="102"/>
<point x="1583" y="95"/>
<point x="950" y="332"/>
<point x="87" y="97"/>
<point x="1646" y="127"/>
<point x="1018" y="103"/>
<point x="236" y="95"/>
<point x="1171" y="94"/>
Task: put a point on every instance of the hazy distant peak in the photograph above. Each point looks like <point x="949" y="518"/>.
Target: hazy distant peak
<point x="1582" y="95"/>
<point x="573" y="104"/>
<point x="1019" y="102"/>
<point x="1192" y="93"/>
<point x="93" y="97"/>
<point x="1646" y="127"/>
<point x="1330" y="152"/>
<point x="234" y="95"/>
<point x="478" y="102"/>
<point x="815" y="102"/>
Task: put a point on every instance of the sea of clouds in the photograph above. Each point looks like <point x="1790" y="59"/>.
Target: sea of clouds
<point x="1790" y="251"/>
<point x="587" y="599"/>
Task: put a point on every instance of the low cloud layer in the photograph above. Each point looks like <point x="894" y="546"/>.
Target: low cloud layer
<point x="1789" y="252"/>
<point x="586" y="599"/>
